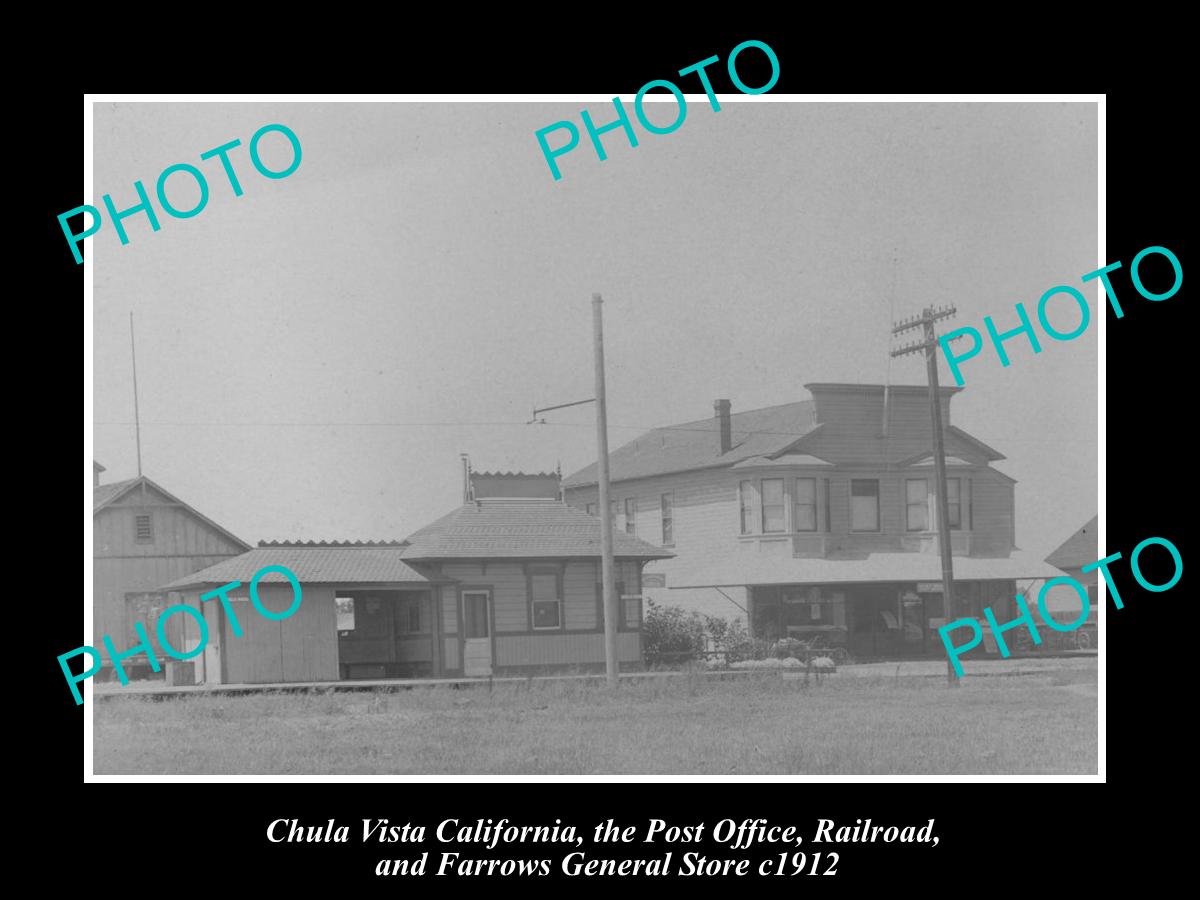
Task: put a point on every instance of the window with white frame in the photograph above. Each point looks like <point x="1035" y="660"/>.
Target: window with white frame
<point x="805" y="515"/>
<point x="864" y="504"/>
<point x="668" y="519"/>
<point x="631" y="515"/>
<point x="746" y="501"/>
<point x="773" y="506"/>
<point x="954" y="502"/>
<point x="590" y="509"/>
<point x="545" y="600"/>
<point x="916" y="504"/>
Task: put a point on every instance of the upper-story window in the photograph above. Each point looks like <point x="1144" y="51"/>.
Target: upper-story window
<point x="918" y="497"/>
<point x="746" y="500"/>
<point x="916" y="508"/>
<point x="143" y="529"/>
<point x="590" y="509"/>
<point x="668" y="519"/>
<point x="864" y="504"/>
<point x="773" y="507"/>
<point x="954" y="502"/>
<point x="805" y="516"/>
<point x="631" y="515"/>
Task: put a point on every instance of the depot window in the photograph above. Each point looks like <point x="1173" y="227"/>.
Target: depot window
<point x="545" y="600"/>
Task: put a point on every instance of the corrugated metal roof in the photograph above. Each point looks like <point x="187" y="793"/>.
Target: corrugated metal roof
<point x="760" y="569"/>
<point x="695" y="445"/>
<point x="316" y="565"/>
<point x="529" y="528"/>
<point x="1080" y="548"/>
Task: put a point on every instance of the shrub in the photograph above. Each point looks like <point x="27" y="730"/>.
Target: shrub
<point x="734" y="640"/>
<point x="671" y="630"/>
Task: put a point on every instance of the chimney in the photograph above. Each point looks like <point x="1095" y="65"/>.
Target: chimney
<point x="466" y="471"/>
<point x="721" y="410"/>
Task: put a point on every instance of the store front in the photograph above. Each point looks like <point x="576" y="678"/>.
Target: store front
<point x="880" y="620"/>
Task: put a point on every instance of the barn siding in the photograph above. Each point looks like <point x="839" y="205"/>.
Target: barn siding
<point x="112" y="579"/>
<point x="302" y="647"/>
<point x="182" y="544"/>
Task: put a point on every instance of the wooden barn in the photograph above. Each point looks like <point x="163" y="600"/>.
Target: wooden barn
<point x="501" y="585"/>
<point x="142" y="538"/>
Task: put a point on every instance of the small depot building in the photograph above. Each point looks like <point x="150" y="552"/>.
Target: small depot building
<point x="498" y="586"/>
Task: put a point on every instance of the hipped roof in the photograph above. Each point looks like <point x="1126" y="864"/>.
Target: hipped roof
<point x="773" y="434"/>
<point x="694" y="445"/>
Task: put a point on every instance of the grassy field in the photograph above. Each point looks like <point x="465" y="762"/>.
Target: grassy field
<point x="1043" y="723"/>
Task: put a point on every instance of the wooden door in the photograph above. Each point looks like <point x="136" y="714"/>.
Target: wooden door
<point x="477" y="633"/>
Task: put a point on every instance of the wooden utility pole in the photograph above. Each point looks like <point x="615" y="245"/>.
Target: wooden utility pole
<point x="606" y="537"/>
<point x="929" y="345"/>
<point x="607" y="577"/>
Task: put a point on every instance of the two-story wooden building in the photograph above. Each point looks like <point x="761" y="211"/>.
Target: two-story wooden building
<point x="817" y="517"/>
<point x="143" y="537"/>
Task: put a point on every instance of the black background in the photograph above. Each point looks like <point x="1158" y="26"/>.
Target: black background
<point x="1015" y="834"/>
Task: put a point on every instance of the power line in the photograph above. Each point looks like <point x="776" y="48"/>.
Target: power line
<point x="1009" y="439"/>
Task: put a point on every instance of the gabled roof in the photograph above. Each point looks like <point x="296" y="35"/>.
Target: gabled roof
<point x="343" y="565"/>
<point x="527" y="528"/>
<point x="695" y="445"/>
<point x="1079" y="549"/>
<point x="104" y="494"/>
<point x="107" y="494"/>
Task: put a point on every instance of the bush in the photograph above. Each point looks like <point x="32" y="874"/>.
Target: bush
<point x="672" y="630"/>
<point x="734" y="640"/>
<point x="671" y="634"/>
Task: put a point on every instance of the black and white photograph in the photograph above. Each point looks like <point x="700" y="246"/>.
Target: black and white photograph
<point x="536" y="437"/>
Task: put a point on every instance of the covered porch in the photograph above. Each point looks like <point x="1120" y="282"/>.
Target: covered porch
<point x="879" y="606"/>
<point x="881" y="620"/>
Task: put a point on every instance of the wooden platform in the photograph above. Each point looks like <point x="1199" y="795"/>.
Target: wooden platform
<point x="913" y="668"/>
<point x="158" y="689"/>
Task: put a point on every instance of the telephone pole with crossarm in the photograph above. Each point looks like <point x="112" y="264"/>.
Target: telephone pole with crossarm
<point x="929" y="345"/>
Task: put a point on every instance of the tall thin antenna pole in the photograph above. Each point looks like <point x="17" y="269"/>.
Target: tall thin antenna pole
<point x="137" y="421"/>
<point x="607" y="579"/>
<point x="887" y="381"/>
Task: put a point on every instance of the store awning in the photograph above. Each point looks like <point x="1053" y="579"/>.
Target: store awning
<point x="878" y="567"/>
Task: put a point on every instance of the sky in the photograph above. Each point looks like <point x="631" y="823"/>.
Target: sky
<point x="313" y="355"/>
